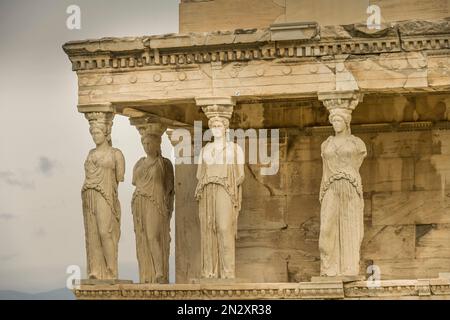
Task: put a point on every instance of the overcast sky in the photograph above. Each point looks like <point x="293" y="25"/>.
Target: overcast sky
<point x="44" y="140"/>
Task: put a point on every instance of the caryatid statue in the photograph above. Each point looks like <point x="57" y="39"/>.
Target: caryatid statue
<point x="104" y="168"/>
<point x="220" y="175"/>
<point x="341" y="193"/>
<point x="152" y="206"/>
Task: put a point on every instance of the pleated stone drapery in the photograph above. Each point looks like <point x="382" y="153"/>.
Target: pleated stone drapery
<point x="342" y="207"/>
<point x="219" y="193"/>
<point x="101" y="212"/>
<point x="152" y="211"/>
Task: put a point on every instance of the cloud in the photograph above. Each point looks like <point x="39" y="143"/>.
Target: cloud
<point x="13" y="179"/>
<point x="24" y="180"/>
<point x="7" y="216"/>
<point x="46" y="166"/>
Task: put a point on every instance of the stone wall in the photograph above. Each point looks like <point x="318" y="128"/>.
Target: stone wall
<point x="212" y="15"/>
<point x="406" y="180"/>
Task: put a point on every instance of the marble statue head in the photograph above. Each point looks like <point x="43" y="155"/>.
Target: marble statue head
<point x="151" y="134"/>
<point x="218" y="126"/>
<point x="100" y="125"/>
<point x="100" y="132"/>
<point x="340" y="120"/>
<point x="151" y="144"/>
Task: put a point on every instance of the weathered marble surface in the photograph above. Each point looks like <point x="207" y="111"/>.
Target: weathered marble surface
<point x="248" y="62"/>
<point x="279" y="236"/>
<point x="220" y="175"/>
<point x="428" y="289"/>
<point x="198" y="16"/>
<point x="104" y="170"/>
<point x="404" y="123"/>
<point x="152" y="205"/>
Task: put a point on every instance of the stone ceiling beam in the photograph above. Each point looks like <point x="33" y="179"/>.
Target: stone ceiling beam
<point x="278" y="62"/>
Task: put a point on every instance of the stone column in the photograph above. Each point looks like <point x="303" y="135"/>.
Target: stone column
<point x="187" y="232"/>
<point x="341" y="193"/>
<point x="104" y="170"/>
<point x="220" y="175"/>
<point x="152" y="203"/>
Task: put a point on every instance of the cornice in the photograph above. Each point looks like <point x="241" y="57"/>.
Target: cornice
<point x="290" y="41"/>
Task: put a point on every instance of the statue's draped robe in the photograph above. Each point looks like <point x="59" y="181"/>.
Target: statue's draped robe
<point x="219" y="193"/>
<point x="342" y="206"/>
<point x="101" y="210"/>
<point x="152" y="206"/>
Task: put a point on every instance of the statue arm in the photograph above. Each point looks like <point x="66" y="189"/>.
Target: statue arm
<point x="322" y="149"/>
<point x="120" y="165"/>
<point x="240" y="165"/>
<point x="200" y="166"/>
<point x="170" y="184"/>
<point x="323" y="145"/>
<point x="324" y="169"/>
<point x="361" y="149"/>
<point x="133" y="180"/>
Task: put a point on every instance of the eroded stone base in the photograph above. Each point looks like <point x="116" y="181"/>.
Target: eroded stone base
<point x="386" y="289"/>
